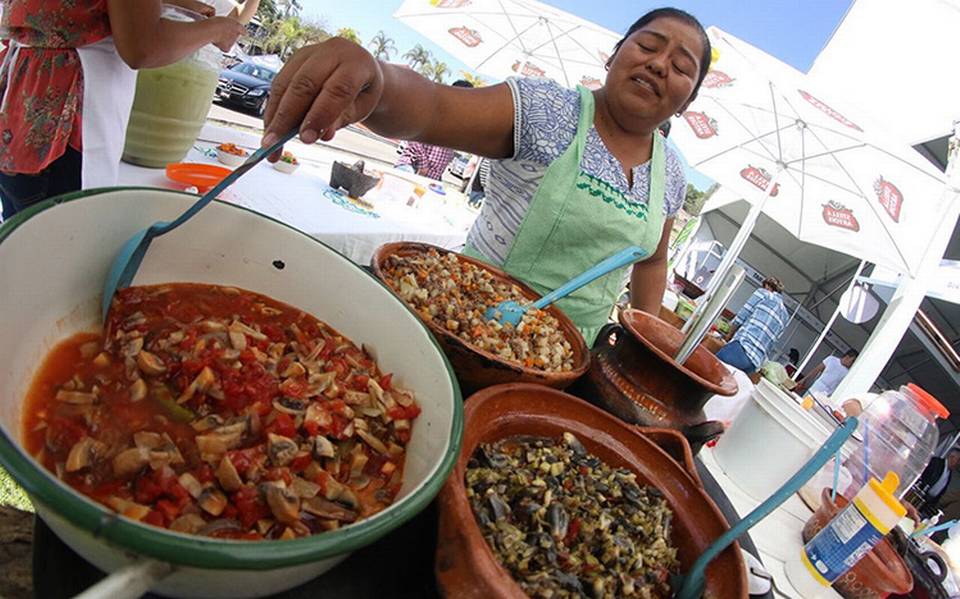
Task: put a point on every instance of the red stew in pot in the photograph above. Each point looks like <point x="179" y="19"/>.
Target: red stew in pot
<point x="216" y="411"/>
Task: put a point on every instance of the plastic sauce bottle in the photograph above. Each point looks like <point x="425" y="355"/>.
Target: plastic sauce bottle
<point x="853" y="532"/>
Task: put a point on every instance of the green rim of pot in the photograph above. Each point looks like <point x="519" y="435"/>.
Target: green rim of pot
<point x="204" y="552"/>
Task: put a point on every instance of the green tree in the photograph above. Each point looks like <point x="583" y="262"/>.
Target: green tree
<point x="288" y="34"/>
<point x="694" y="201"/>
<point x="267" y="10"/>
<point x="417" y="57"/>
<point x="349" y="33"/>
<point x="436" y="71"/>
<point x="474" y="80"/>
<point x="381" y="46"/>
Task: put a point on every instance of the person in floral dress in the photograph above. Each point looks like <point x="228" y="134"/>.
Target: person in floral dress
<point x="41" y="80"/>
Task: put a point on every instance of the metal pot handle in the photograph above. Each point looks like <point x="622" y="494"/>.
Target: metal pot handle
<point x="928" y="556"/>
<point x="129" y="582"/>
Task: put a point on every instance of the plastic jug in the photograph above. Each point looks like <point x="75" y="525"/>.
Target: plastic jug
<point x="898" y="434"/>
<point x="171" y="104"/>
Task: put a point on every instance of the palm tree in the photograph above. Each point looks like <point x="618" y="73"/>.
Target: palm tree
<point x="288" y="34"/>
<point x="349" y="33"/>
<point x="267" y="10"/>
<point x="417" y="57"/>
<point x="438" y="71"/>
<point x="381" y="46"/>
<point x="474" y="79"/>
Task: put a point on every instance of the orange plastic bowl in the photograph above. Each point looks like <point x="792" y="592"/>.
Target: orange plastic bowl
<point x="201" y="176"/>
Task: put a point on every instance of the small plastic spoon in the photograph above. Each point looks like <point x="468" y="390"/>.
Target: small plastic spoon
<point x="511" y="312"/>
<point x="128" y="260"/>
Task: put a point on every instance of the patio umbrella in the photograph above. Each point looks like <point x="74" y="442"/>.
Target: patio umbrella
<point x="503" y="38"/>
<point x="829" y="176"/>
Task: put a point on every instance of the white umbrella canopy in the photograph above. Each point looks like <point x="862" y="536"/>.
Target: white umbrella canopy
<point x="503" y="38"/>
<point x="837" y="180"/>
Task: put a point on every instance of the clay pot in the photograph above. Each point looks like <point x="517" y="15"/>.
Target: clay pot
<point x="670" y="317"/>
<point x="637" y="379"/>
<point x="475" y="368"/>
<point x="878" y="574"/>
<point x="466" y="568"/>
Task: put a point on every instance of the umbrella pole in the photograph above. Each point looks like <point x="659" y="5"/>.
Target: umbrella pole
<point x="910" y="293"/>
<point x="694" y="329"/>
<point x="828" y="326"/>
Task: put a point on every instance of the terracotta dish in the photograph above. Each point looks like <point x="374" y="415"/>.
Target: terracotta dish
<point x="878" y="574"/>
<point x="637" y="379"/>
<point x="476" y="368"/>
<point x="466" y="567"/>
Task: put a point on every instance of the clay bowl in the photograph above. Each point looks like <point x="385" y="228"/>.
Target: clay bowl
<point x="477" y="369"/>
<point x="878" y="574"/>
<point x="466" y="567"/>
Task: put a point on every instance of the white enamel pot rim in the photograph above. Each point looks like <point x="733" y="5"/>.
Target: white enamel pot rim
<point x="205" y="552"/>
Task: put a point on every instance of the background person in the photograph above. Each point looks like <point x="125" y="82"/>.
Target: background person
<point x="579" y="174"/>
<point x="756" y="327"/>
<point x="826" y="376"/>
<point x="935" y="479"/>
<point x="425" y="159"/>
<point x="67" y="84"/>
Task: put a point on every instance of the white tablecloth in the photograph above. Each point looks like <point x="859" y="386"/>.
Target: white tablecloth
<point x="305" y="201"/>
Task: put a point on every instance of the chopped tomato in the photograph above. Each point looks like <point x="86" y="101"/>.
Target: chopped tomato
<point x="155" y="518"/>
<point x="299" y="463"/>
<point x="283" y="425"/>
<point x="280" y="474"/>
<point x="204" y="473"/>
<point x="145" y="490"/>
<point x="386" y="382"/>
<point x="359" y="382"/>
<point x="169" y="510"/>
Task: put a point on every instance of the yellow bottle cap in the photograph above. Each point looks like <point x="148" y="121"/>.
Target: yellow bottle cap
<point x="884" y="490"/>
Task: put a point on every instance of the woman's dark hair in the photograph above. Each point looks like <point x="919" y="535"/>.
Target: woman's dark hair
<point x="680" y="15"/>
<point x="851" y="353"/>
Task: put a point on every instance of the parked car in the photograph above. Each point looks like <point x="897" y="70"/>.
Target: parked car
<point x="246" y="85"/>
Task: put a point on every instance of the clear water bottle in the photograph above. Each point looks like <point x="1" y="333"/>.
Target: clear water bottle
<point x="897" y="433"/>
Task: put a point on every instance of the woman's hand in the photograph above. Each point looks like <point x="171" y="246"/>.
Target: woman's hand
<point x="321" y="89"/>
<point x="226" y="32"/>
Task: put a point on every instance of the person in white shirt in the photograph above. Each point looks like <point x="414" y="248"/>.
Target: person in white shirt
<point x="826" y="377"/>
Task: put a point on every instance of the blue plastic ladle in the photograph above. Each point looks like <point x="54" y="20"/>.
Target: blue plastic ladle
<point x="691" y="585"/>
<point x="128" y="260"/>
<point x="511" y="312"/>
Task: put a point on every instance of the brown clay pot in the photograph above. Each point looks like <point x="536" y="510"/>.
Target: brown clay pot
<point x="466" y="568"/>
<point x="637" y="379"/>
<point x="476" y="368"/>
<point x="670" y="317"/>
<point x="878" y="574"/>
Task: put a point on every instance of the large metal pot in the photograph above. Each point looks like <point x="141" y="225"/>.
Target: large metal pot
<point x="53" y="260"/>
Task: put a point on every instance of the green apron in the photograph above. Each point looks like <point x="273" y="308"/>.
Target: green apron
<point x="576" y="220"/>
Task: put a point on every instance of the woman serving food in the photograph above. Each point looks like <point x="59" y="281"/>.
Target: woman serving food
<point x="578" y="175"/>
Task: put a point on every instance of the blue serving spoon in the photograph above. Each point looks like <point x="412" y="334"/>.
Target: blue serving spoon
<point x="511" y="312"/>
<point x="128" y="260"/>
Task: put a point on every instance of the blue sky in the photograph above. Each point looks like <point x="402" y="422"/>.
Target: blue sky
<point x="792" y="30"/>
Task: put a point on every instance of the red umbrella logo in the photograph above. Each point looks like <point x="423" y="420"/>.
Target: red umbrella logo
<point x="889" y="196"/>
<point x="528" y="69"/>
<point x="703" y="126"/>
<point x="715" y="79"/>
<point x="836" y="214"/>
<point x="591" y="82"/>
<point x="469" y="37"/>
<point x="829" y="111"/>
<point x="760" y="178"/>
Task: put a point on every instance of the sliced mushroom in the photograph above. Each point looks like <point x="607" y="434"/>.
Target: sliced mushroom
<point x="291" y="405"/>
<point x="202" y="382"/>
<point x="89" y="349"/>
<point x="283" y="503"/>
<point x="212" y="326"/>
<point x="206" y="423"/>
<point x="374" y="388"/>
<point x="287" y="534"/>
<point x="356" y="398"/>
<point x="130" y="461"/>
<point x="138" y="390"/>
<point x="346" y="496"/>
<point x="76" y="397"/>
<point x="295" y="369"/>
<point x="228" y="476"/>
<point x="320" y="382"/>
<point x="246" y="330"/>
<point x="83" y="453"/>
<point x="188" y="523"/>
<point x="150" y="364"/>
<point x="102" y="360"/>
<point x="132" y="346"/>
<point x="357" y="463"/>
<point x="323" y="447"/>
<point x="191" y="484"/>
<point x="402" y="397"/>
<point x="130" y="509"/>
<point x="219" y="525"/>
<point x="304" y="488"/>
<point x="281" y="449"/>
<point x="373" y="442"/>
<point x="238" y="341"/>
<point x="318" y="506"/>
<point x="318" y="415"/>
<point x="147" y="439"/>
<point x="212" y="501"/>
